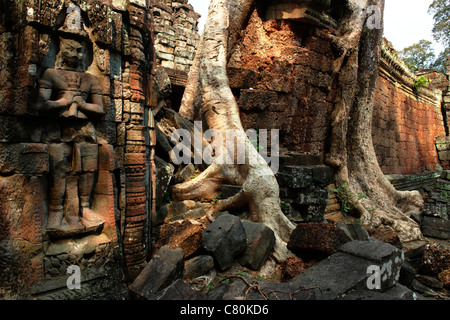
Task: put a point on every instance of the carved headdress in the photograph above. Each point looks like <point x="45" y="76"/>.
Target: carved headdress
<point x="73" y="24"/>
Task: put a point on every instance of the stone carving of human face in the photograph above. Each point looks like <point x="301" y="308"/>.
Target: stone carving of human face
<point x="71" y="54"/>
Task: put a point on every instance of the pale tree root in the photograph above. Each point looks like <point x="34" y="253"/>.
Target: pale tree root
<point x="259" y="192"/>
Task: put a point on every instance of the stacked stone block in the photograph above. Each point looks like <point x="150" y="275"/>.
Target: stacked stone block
<point x="436" y="222"/>
<point x="405" y="121"/>
<point x="304" y="187"/>
<point x="176" y="33"/>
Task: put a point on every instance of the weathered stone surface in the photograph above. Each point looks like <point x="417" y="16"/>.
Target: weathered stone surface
<point x="291" y="268"/>
<point x="429" y="281"/>
<point x="335" y="276"/>
<point x="184" y="174"/>
<point x="224" y="240"/>
<point x="435" y="227"/>
<point x="185" y="234"/>
<point x="407" y="274"/>
<point x="436" y="210"/>
<point x="25" y="158"/>
<point x="398" y="292"/>
<point x="435" y="260"/>
<point x="444" y="277"/>
<point x="198" y="266"/>
<point x="316" y="240"/>
<point x="163" y="269"/>
<point x="179" y="290"/>
<point x="238" y="289"/>
<point x="62" y="130"/>
<point x="387" y="257"/>
<point x="387" y="235"/>
<point x="164" y="173"/>
<point x="260" y="242"/>
<point x="295" y="177"/>
<point x="300" y="159"/>
<point x="357" y="231"/>
<point x="186" y="209"/>
<point x="176" y="34"/>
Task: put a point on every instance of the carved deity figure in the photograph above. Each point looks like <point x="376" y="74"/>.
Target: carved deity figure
<point x="69" y="92"/>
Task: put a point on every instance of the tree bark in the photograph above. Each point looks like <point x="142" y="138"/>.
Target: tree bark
<point x="352" y="152"/>
<point x="219" y="108"/>
<point x="208" y="96"/>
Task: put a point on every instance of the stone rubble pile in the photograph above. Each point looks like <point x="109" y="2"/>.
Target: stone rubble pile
<point x="175" y="28"/>
<point x="358" y="268"/>
<point x="435" y="221"/>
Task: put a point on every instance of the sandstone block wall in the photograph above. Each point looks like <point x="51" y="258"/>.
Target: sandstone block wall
<point x="281" y="76"/>
<point x="175" y="25"/>
<point x="406" y="121"/>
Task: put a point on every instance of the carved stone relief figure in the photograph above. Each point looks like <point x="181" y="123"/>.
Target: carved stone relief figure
<point x="69" y="92"/>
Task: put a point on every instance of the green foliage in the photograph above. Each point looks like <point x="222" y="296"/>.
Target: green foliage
<point x="419" y="55"/>
<point x="347" y="198"/>
<point x="218" y="197"/>
<point x="421" y="82"/>
<point x="167" y="197"/>
<point x="439" y="63"/>
<point x="440" y="9"/>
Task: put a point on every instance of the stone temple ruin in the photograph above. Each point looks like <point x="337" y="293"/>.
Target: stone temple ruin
<point x="89" y="93"/>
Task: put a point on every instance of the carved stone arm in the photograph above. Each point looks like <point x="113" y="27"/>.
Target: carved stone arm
<point x="96" y="107"/>
<point x="46" y="104"/>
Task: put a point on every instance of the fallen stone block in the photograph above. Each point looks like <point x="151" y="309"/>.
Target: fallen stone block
<point x="291" y="268"/>
<point x="163" y="269"/>
<point x="436" y="228"/>
<point x="178" y="290"/>
<point x="239" y="288"/>
<point x="316" y="240"/>
<point x="198" y="266"/>
<point x="387" y="235"/>
<point x="224" y="240"/>
<point x="436" y="210"/>
<point x="357" y="231"/>
<point x="429" y="281"/>
<point x="407" y="274"/>
<point x="385" y="256"/>
<point x="260" y="243"/>
<point x="186" y="209"/>
<point x="335" y="276"/>
<point x="398" y="292"/>
<point x="184" y="174"/>
<point x="185" y="234"/>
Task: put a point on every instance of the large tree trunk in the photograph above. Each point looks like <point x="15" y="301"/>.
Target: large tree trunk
<point x="208" y="96"/>
<point x="352" y="152"/>
<point x="208" y="87"/>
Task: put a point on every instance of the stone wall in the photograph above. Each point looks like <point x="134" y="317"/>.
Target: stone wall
<point x="75" y="145"/>
<point x="175" y="32"/>
<point x="406" y="121"/>
<point x="281" y="76"/>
